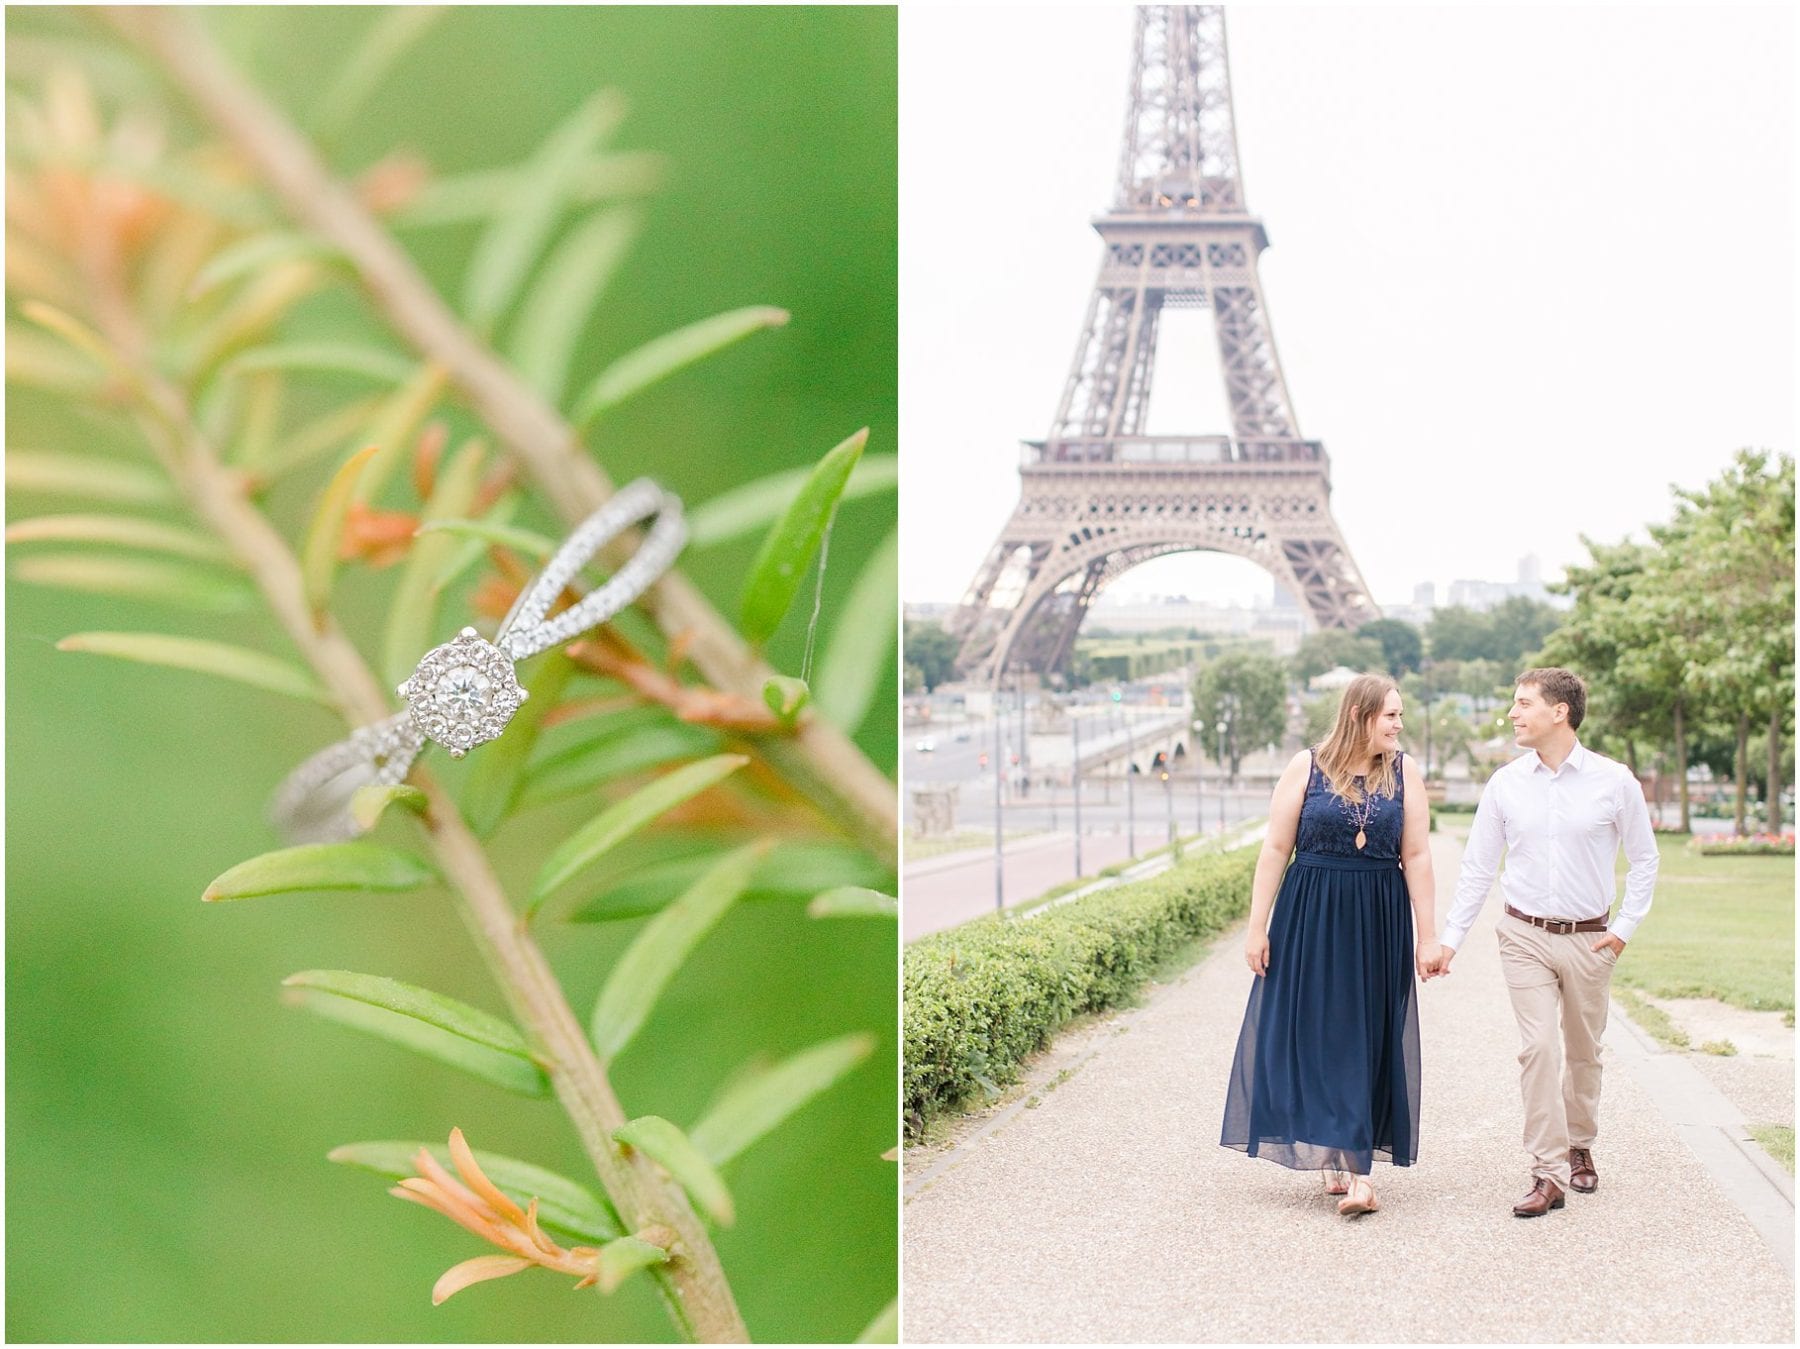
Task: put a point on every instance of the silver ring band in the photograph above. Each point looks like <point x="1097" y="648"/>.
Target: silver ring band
<point x="464" y="692"/>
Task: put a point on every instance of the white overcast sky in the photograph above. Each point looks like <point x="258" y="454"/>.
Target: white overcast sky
<point x="1528" y="266"/>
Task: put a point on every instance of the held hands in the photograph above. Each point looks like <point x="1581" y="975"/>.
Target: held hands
<point x="1617" y="944"/>
<point x="1256" y="951"/>
<point x="1433" y="959"/>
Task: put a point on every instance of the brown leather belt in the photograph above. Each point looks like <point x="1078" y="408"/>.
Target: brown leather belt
<point x="1560" y="925"/>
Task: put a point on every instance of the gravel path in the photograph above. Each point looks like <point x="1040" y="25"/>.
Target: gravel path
<point x="1109" y="1213"/>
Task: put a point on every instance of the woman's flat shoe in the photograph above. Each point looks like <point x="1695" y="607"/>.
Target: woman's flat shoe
<point x="1359" y="1201"/>
<point x="1337" y="1182"/>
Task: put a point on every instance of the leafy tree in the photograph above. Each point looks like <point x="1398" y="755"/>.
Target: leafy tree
<point x="933" y="651"/>
<point x="1504" y="633"/>
<point x="1629" y="702"/>
<point x="1730" y="549"/>
<point x="1327" y="650"/>
<point x="1516" y="626"/>
<point x="1402" y="646"/>
<point x="1247" y="689"/>
<point x="1318" y="713"/>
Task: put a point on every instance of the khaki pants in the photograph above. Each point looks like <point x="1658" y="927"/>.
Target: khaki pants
<point x="1557" y="977"/>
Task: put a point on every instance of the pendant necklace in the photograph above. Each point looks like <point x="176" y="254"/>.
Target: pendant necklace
<point x="1361" y="818"/>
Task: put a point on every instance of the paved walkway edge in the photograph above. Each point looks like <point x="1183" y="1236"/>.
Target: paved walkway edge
<point x="1714" y="1131"/>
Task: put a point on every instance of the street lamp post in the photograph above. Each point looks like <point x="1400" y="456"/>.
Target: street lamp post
<point x="1199" y="796"/>
<point x="1075" y="777"/>
<point x="999" y="773"/>
<point x="1168" y="796"/>
<point x="1130" y="794"/>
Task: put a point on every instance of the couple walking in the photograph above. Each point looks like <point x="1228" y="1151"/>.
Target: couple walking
<point x="1327" y="1070"/>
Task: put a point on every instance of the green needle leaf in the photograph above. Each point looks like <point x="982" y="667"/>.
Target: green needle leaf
<point x="753" y="506"/>
<point x="499" y="771"/>
<point x="412" y="623"/>
<point x="856" y="654"/>
<point x="670" y="1149"/>
<point x="562" y="1203"/>
<point x="127" y="531"/>
<point x="337" y="358"/>
<point x="787" y="550"/>
<point x="564" y="298"/>
<point x="321" y="866"/>
<point x="86" y="476"/>
<point x="36" y="361"/>
<point x="319" y="556"/>
<point x="397" y="420"/>
<point x="667" y="939"/>
<point x="256" y="254"/>
<point x="386" y="42"/>
<point x="81" y="337"/>
<point x="471" y="550"/>
<point x="441" y="1028"/>
<point x="483" y="193"/>
<point x="793" y="871"/>
<point x="315" y="436"/>
<point x="515" y="237"/>
<point x="193" y="653"/>
<point x="525" y="541"/>
<point x="368" y="804"/>
<point x="853" y="901"/>
<point x="663" y="356"/>
<point x="160" y="580"/>
<point x="885" y="1328"/>
<point x="625" y="817"/>
<point x="622" y="1258"/>
<point x="761" y="1099"/>
<point x="633" y="749"/>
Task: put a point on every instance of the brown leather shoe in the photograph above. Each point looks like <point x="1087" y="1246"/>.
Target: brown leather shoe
<point x="1583" y="1179"/>
<point x="1545" y="1195"/>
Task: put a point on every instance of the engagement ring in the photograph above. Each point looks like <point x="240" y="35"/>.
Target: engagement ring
<point x="464" y="692"/>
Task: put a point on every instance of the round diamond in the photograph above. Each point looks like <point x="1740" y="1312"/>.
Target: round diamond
<point x="463" y="692"/>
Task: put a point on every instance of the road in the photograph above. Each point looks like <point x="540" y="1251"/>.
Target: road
<point x="941" y="892"/>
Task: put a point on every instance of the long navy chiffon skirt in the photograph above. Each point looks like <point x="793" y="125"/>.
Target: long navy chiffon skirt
<point x="1327" y="1067"/>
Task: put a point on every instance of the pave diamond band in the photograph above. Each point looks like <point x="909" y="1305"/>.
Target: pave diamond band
<point x="464" y="692"/>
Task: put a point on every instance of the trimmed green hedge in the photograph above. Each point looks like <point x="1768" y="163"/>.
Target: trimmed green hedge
<point x="981" y="997"/>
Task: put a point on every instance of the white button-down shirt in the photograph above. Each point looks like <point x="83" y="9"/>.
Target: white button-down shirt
<point x="1560" y="831"/>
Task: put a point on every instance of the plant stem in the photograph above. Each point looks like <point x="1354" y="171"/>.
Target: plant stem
<point x="818" y="758"/>
<point x="699" y="1295"/>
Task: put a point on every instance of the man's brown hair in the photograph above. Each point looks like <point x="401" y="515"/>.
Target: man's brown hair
<point x="1559" y="686"/>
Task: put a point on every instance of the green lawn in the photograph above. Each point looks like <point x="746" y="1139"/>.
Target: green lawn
<point x="1778" y="1141"/>
<point x="1720" y="927"/>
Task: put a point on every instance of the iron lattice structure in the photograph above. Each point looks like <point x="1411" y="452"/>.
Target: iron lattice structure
<point x="1099" y="496"/>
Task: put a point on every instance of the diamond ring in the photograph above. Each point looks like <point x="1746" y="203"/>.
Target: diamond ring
<point x="464" y="692"/>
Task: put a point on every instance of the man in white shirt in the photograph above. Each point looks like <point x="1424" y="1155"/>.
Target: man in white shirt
<point x="1560" y="815"/>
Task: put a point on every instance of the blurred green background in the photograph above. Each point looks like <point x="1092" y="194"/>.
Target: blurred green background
<point x="167" y="1117"/>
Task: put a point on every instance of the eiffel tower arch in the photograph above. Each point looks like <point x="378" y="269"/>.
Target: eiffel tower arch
<point x="1098" y="496"/>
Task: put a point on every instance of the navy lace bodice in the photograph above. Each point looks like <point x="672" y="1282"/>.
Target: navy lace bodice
<point x="1326" y="825"/>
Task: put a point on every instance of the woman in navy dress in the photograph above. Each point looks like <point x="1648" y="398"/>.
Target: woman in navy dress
<point x="1327" y="1070"/>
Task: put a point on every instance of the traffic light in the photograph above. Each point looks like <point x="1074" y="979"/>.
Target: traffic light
<point x="1118" y="695"/>
<point x="984" y="760"/>
<point x="1161" y="764"/>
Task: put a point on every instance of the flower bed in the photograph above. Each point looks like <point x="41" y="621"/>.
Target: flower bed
<point x="1743" y="845"/>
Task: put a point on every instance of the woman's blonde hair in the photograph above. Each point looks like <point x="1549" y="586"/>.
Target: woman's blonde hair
<point x="1344" y="755"/>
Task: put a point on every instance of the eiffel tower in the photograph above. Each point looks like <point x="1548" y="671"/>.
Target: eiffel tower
<point x="1098" y="496"/>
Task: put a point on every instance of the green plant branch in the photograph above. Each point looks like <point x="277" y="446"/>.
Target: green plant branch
<point x="818" y="758"/>
<point x="699" y="1294"/>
